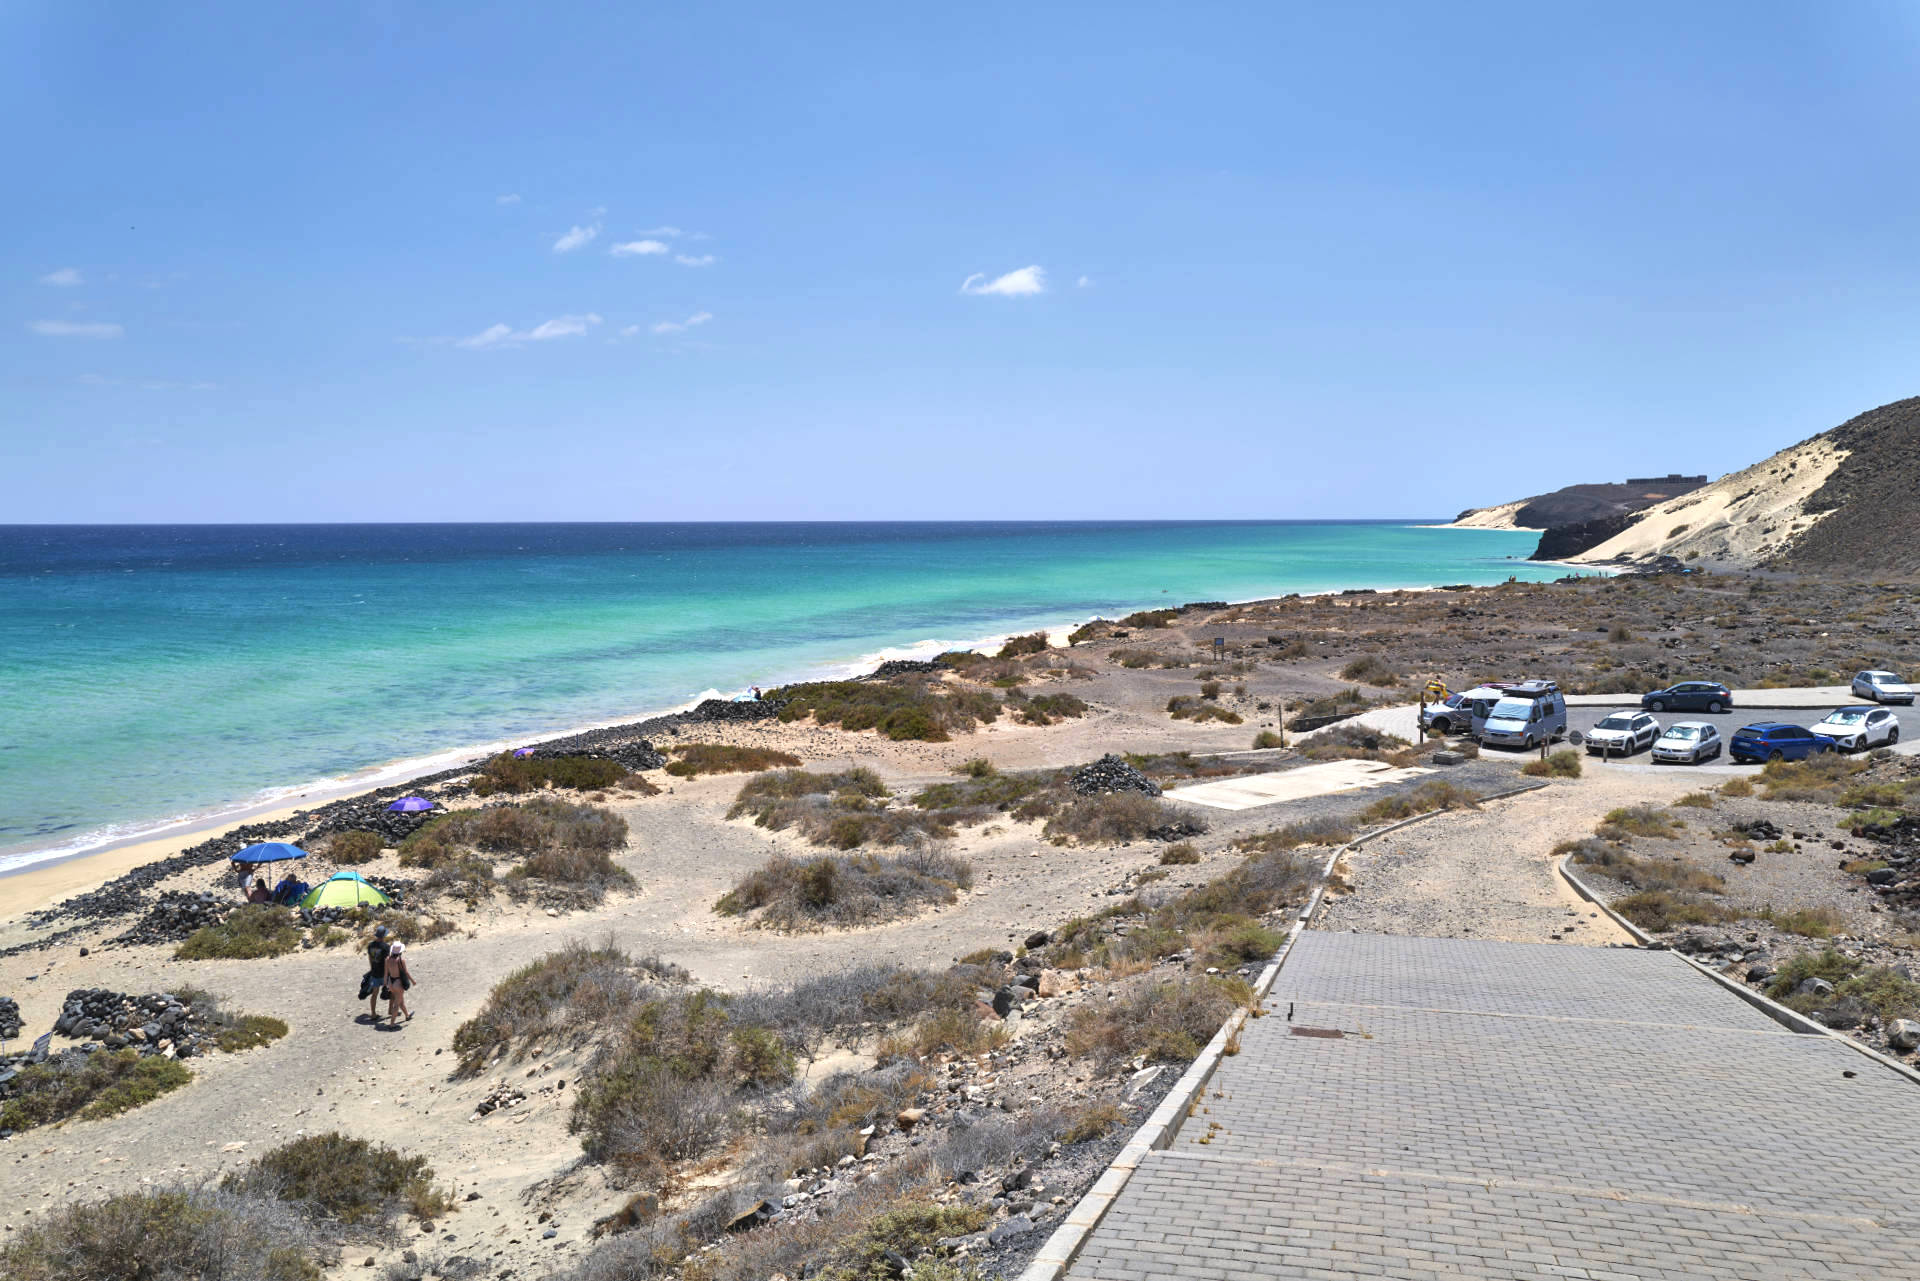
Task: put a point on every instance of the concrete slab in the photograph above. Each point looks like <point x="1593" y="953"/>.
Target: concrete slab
<point x="1291" y="785"/>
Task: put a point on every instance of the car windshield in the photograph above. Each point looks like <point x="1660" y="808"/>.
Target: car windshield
<point x="1682" y="731"/>
<point x="1883" y="678"/>
<point x="1852" y="716"/>
<point x="1616" y="722"/>
<point x="1511" y="709"/>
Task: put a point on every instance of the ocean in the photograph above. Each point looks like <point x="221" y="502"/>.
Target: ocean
<point x="150" y="674"/>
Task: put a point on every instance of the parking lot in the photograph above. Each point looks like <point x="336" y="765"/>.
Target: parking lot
<point x="1583" y="719"/>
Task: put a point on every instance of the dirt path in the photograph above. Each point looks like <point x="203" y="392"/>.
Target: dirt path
<point x="1488" y="873"/>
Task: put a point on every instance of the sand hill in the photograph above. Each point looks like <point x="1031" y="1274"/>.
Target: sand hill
<point x="1847" y="499"/>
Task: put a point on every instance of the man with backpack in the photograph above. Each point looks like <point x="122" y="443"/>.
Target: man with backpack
<point x="375" y="980"/>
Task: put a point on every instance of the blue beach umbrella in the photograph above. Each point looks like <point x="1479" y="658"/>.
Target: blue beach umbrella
<point x="269" y="852"/>
<point x="411" y="805"/>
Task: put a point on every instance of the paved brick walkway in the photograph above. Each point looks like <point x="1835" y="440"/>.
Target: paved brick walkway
<point x="1525" y="1110"/>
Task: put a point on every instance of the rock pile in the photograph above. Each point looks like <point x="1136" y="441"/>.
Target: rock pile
<point x="905" y="667"/>
<point x="10" y="1021"/>
<point x="1111" y="774"/>
<point x="157" y="1023"/>
<point x="177" y="914"/>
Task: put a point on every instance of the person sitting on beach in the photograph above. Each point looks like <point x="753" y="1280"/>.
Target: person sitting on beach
<point x="283" y="892"/>
<point x="376" y="981"/>
<point x="259" y="893"/>
<point x="398" y="981"/>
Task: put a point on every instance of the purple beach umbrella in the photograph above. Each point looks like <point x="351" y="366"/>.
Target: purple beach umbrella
<point x="518" y="752"/>
<point x="411" y="804"/>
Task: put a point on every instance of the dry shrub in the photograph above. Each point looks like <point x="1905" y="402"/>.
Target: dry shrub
<point x="508" y="773"/>
<point x="838" y="891"/>
<point x="1093" y="1121"/>
<point x="1115" y="818"/>
<point x="1372" y="669"/>
<point x="910" y="707"/>
<point x="1623" y="865"/>
<point x="1352" y="742"/>
<point x="1661" y="910"/>
<point x="570" y="994"/>
<point x="1020" y="646"/>
<point x="1737" y="787"/>
<point x="354" y="847"/>
<point x="1818" y="922"/>
<point x="164" y="1234"/>
<point x="1185" y="707"/>
<point x="1561" y="764"/>
<point x="587" y="873"/>
<point x="1181" y="853"/>
<point x="250" y="932"/>
<point x="1167" y="1022"/>
<point x="1637" y="820"/>
<point x="693" y="759"/>
<point x="1424" y="799"/>
<point x="1325" y="830"/>
<point x="1046" y="709"/>
<point x="843" y="811"/>
<point x="1818" y="778"/>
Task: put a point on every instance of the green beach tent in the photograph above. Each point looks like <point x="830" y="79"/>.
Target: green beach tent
<point x="343" y="889"/>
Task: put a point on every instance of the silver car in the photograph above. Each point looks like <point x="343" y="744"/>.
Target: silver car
<point x="1854" y="729"/>
<point x="1622" y="734"/>
<point x="1689" y="741"/>
<point x="1450" y="716"/>
<point x="1882" y="687"/>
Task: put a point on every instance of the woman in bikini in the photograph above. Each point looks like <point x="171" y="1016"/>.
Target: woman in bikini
<point x="399" y="979"/>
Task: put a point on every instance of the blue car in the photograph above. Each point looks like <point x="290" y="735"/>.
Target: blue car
<point x="1776" y="741"/>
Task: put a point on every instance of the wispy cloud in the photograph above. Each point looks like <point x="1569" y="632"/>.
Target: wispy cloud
<point x="1085" y="282"/>
<point x="507" y="336"/>
<point x="695" y="260"/>
<point x="629" y="331"/>
<point x="633" y="247"/>
<point x="668" y="232"/>
<point x="75" y="329"/>
<point x="65" y="278"/>
<point x="681" y="326"/>
<point x="1023" y="283"/>
<point x="576" y="238"/>
<point x="511" y="198"/>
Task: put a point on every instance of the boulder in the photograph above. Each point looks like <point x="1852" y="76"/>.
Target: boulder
<point x="1058" y="982"/>
<point x="1903" y="1035"/>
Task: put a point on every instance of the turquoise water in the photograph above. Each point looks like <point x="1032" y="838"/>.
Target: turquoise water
<point x="150" y="673"/>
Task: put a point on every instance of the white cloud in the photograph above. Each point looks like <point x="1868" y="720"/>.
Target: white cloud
<point x="511" y="198"/>
<point x="576" y="238"/>
<point x="65" y="278"/>
<point x="1023" y="283"/>
<point x="681" y="326"/>
<point x="75" y="329"/>
<point x="507" y="336"/>
<point x="629" y="331"/>
<point x="668" y="232"/>
<point x="632" y="247"/>
<point x="1085" y="282"/>
<point x="695" y="260"/>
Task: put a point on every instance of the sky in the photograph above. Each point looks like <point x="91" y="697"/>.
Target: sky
<point x="421" y="261"/>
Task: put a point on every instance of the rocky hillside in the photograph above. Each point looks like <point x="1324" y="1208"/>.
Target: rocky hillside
<point x="1579" y="504"/>
<point x="1847" y="499"/>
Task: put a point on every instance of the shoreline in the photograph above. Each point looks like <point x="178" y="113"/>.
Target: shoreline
<point x="30" y="886"/>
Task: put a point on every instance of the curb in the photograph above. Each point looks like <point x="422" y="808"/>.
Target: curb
<point x="1779" y="1013"/>
<point x="1158" y="1132"/>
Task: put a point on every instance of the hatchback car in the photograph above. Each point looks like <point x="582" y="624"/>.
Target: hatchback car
<point x="1689" y="741"/>
<point x="1776" y="741"/>
<point x="1882" y="687"/>
<point x="1689" y="696"/>
<point x="1448" y="716"/>
<point x="1623" y="733"/>
<point x="1855" y="728"/>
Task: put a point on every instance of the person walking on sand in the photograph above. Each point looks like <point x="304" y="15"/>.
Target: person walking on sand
<point x="376" y="980"/>
<point x="398" y="981"/>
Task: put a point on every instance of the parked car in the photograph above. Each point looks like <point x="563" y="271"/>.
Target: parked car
<point x="1474" y="706"/>
<point x="1689" y="696"/>
<point x="1776" y="741"/>
<point x="1447" y="716"/>
<point x="1855" y="728"/>
<point x="1532" y="713"/>
<point x="1623" y="733"/>
<point x="1882" y="687"/>
<point x="1689" y="741"/>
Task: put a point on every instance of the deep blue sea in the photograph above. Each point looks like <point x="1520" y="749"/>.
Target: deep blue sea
<point x="149" y="673"/>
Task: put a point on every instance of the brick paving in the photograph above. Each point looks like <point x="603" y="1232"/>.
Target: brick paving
<point x="1511" y="1110"/>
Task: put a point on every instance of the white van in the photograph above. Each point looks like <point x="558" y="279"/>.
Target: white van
<point x="1532" y="713"/>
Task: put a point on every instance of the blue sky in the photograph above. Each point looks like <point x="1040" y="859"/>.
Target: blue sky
<point x="494" y="262"/>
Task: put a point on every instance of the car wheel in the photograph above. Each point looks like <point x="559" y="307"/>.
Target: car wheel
<point x="1657" y="705"/>
<point x="1713" y="708"/>
<point x="1893" y="736"/>
<point x="1776" y="756"/>
<point x="1443" y="725"/>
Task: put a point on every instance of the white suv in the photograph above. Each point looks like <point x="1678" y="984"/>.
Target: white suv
<point x="1854" y="728"/>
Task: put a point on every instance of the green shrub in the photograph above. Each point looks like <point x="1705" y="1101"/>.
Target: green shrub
<point x="165" y="1234"/>
<point x="354" y="847"/>
<point x="351" y="1180"/>
<point x="232" y="1033"/>
<point x="1048" y="709"/>
<point x="1185" y="707"/>
<point x="1267" y="738"/>
<point x="1737" y="787"/>
<point x="249" y="932"/>
<point x="1817" y="778"/>
<point x="1093" y="1121"/>
<point x="855" y="812"/>
<point x="544" y="823"/>
<point x="1092" y="629"/>
<point x="1150" y="618"/>
<point x="1636" y="820"/>
<point x="981" y="793"/>
<point x="1020" y="646"/>
<point x="1562" y="764"/>
<point x="693" y="759"/>
<point x="1817" y="922"/>
<point x="508" y="773"/>
<point x="834" y="891"/>
<point x="1696" y="800"/>
<point x="105" y="1084"/>
<point x="1232" y="941"/>
<point x="900" y="710"/>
